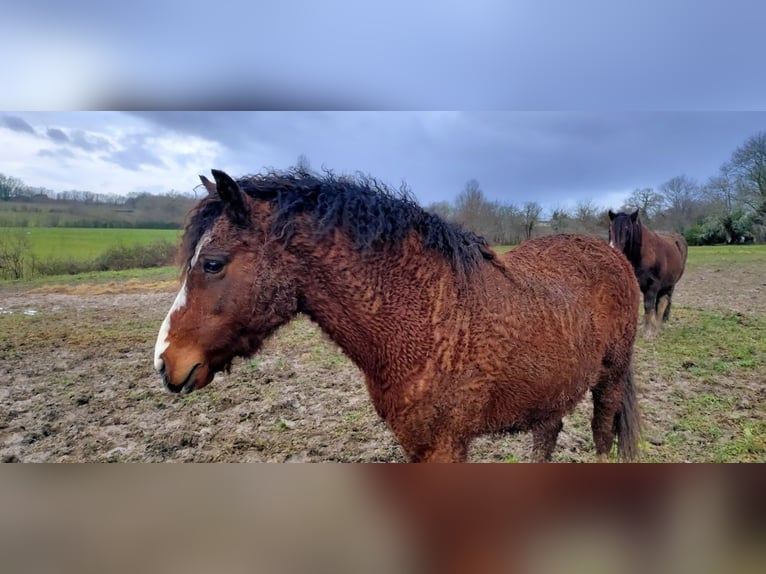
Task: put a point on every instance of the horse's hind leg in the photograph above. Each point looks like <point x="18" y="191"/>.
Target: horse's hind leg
<point x="607" y="396"/>
<point x="663" y="305"/>
<point x="615" y="412"/>
<point x="544" y="437"/>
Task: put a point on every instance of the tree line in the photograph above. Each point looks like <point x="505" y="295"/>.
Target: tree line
<point x="23" y="206"/>
<point x="730" y="207"/>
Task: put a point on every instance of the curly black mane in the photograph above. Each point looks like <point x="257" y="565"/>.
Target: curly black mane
<point x="368" y="211"/>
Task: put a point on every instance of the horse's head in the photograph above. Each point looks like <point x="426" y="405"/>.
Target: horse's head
<point x="236" y="288"/>
<point x="622" y="229"/>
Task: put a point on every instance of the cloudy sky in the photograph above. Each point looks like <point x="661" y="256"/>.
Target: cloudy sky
<point x="555" y="158"/>
<point x="554" y="101"/>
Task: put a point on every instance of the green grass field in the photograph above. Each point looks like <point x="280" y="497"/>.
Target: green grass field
<point x="85" y="243"/>
<point x="724" y="255"/>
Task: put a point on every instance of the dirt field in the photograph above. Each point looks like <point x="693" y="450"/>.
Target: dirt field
<point x="77" y="384"/>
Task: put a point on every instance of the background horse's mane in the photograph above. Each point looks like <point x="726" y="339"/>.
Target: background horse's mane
<point x="628" y="232"/>
<point x="368" y="211"/>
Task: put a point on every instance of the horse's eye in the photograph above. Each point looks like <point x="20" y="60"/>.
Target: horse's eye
<point x="212" y="266"/>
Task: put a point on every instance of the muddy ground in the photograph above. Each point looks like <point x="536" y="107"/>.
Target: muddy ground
<point x="77" y="384"/>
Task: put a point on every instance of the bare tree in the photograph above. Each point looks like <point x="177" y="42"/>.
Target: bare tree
<point x="10" y="187"/>
<point x="588" y="218"/>
<point x="471" y="206"/>
<point x="721" y="190"/>
<point x="645" y="199"/>
<point x="510" y="225"/>
<point x="561" y="221"/>
<point x="303" y="164"/>
<point x="531" y="213"/>
<point x="748" y="166"/>
<point x="680" y="196"/>
<point x="441" y="208"/>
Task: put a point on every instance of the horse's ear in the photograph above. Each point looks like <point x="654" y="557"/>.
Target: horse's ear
<point x="232" y="197"/>
<point x="209" y="185"/>
<point x="634" y="216"/>
<point x="612" y="215"/>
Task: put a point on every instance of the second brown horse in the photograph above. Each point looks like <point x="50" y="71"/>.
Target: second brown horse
<point x="658" y="259"/>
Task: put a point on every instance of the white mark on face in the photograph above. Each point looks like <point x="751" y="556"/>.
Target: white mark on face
<point x="162" y="338"/>
<point x="162" y="343"/>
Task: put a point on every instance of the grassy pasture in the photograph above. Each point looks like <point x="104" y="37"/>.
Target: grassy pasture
<point x="85" y="243"/>
<point x="31" y="253"/>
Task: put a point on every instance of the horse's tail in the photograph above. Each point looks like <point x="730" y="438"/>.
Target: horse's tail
<point x="628" y="421"/>
<point x="684" y="249"/>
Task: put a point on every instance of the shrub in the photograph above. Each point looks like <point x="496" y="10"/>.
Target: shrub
<point x="120" y="257"/>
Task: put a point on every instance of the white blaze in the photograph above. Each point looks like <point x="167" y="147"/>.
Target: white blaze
<point x="162" y="337"/>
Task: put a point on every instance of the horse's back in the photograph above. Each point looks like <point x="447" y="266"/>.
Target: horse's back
<point x="571" y="258"/>
<point x="586" y="268"/>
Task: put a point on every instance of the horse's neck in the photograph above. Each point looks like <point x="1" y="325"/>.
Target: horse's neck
<point x="377" y="304"/>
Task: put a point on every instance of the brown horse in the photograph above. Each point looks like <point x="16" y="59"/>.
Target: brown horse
<point x="453" y="341"/>
<point x="658" y="259"/>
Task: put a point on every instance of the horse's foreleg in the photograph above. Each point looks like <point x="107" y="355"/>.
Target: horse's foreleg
<point x="442" y="448"/>
<point x="447" y="449"/>
<point x="544" y="437"/>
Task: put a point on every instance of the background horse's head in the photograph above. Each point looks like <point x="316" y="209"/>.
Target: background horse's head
<point x="625" y="232"/>
<point x="236" y="289"/>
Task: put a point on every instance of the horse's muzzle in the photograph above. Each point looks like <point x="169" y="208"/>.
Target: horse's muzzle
<point x="166" y="381"/>
<point x="186" y="387"/>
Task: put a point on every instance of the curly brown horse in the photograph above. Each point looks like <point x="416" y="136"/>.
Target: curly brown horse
<point x="454" y="341"/>
<point x="658" y="258"/>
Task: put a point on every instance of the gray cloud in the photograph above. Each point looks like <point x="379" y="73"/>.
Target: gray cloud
<point x="57" y="135"/>
<point x="135" y="155"/>
<point x="516" y="156"/>
<point x="89" y="142"/>
<point x="18" y="124"/>
<point x="555" y="158"/>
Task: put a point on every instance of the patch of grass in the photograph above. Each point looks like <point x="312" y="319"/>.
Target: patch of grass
<point x="327" y="356"/>
<point x="154" y="274"/>
<point x="40" y="251"/>
<point x="725" y="256"/>
<point x="747" y="445"/>
<point x="351" y="420"/>
<point x="46" y="329"/>
<point x="89" y="243"/>
<point x="252" y="364"/>
<point x="704" y="416"/>
<point x="707" y="418"/>
<point x="500" y="249"/>
<point x="707" y="344"/>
